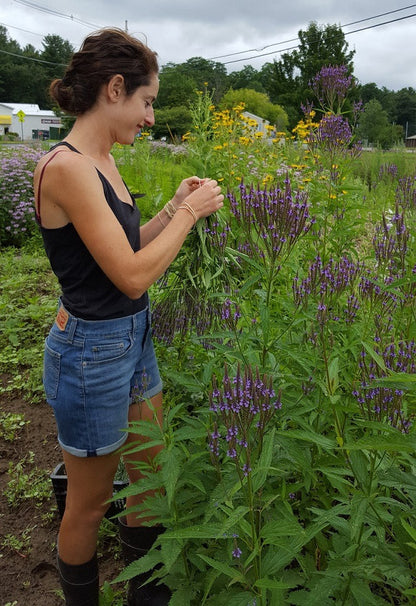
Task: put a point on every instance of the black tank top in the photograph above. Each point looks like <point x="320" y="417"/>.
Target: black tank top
<point x="87" y="293"/>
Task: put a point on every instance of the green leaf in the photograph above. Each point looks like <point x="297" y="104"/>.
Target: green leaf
<point x="271" y="532"/>
<point x="232" y="573"/>
<point x="171" y="469"/>
<point x="397" y="380"/>
<point x="410" y="591"/>
<point x="362" y="593"/>
<point x="411" y="531"/>
<point x="309" y="436"/>
<point x="359" y="506"/>
<point x="181" y="597"/>
<point x="143" y="564"/>
<point x="397" y="443"/>
<point x="333" y="376"/>
<point x="376" y="357"/>
<point x="262" y="468"/>
<point x="233" y="517"/>
<point x="267" y="583"/>
<point x="170" y="550"/>
<point x="203" y="531"/>
<point x="249" y="282"/>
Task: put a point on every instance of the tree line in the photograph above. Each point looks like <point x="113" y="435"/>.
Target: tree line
<point x="277" y="91"/>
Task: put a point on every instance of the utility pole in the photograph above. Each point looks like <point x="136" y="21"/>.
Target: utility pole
<point x="125" y="26"/>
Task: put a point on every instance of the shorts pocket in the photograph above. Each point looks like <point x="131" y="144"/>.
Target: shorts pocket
<point x="108" y="350"/>
<point x="51" y="372"/>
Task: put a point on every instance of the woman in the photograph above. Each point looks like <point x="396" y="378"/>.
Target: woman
<point x="99" y="351"/>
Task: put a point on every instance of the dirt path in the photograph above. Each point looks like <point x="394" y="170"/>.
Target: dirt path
<point x="28" y="576"/>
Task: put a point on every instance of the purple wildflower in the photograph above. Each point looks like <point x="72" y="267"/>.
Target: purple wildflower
<point x="244" y="404"/>
<point x="331" y="86"/>
<point x="272" y="220"/>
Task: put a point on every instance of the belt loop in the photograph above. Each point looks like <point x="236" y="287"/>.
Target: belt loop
<point x="72" y="322"/>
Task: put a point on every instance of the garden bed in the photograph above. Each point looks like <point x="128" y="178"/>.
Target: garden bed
<point x="29" y="574"/>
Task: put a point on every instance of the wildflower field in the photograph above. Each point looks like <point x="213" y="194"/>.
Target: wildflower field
<point x="285" y="331"/>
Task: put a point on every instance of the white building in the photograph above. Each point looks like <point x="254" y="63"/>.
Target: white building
<point x="28" y="121"/>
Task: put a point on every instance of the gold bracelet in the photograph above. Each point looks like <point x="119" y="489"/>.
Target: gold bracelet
<point x="160" y="219"/>
<point x="188" y="207"/>
<point x="170" y="209"/>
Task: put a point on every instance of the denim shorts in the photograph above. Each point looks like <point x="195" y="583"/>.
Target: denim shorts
<point x="93" y="371"/>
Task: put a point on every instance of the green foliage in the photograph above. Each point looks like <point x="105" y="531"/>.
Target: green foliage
<point x="10" y="425"/>
<point x="287" y="350"/>
<point x="287" y="81"/>
<point x="17" y="223"/>
<point x="172" y="123"/>
<point x="256" y="103"/>
<point x="25" y="74"/>
<point x="28" y="299"/>
<point x="176" y="87"/>
<point x="110" y="597"/>
<point x="24" y="483"/>
<point x="375" y="129"/>
<point x="22" y="544"/>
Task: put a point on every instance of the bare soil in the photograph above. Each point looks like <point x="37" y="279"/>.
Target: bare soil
<point x="28" y="577"/>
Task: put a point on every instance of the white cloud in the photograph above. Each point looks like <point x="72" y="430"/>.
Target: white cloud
<point x="183" y="29"/>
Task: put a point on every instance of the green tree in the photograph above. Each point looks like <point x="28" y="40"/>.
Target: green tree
<point x="10" y="52"/>
<point x="208" y="75"/>
<point x="248" y="77"/>
<point x="281" y="84"/>
<point x="56" y="55"/>
<point x="321" y="46"/>
<point x="256" y="103"/>
<point x="176" y="87"/>
<point x="287" y="81"/>
<point x="406" y="110"/>
<point x="172" y="123"/>
<point x="374" y="127"/>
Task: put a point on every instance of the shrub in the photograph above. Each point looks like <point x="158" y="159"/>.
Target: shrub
<point x="16" y="194"/>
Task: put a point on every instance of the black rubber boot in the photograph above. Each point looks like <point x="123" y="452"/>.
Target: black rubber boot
<point x="135" y="543"/>
<point x="79" y="583"/>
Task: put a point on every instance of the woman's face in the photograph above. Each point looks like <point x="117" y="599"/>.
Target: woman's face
<point x="137" y="109"/>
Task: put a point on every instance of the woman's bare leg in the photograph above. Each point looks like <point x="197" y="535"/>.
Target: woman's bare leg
<point x="90" y="485"/>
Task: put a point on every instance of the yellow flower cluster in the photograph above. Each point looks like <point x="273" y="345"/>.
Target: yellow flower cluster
<point x="304" y="127"/>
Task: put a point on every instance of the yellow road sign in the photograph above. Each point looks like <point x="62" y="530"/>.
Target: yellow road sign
<point x="21" y="115"/>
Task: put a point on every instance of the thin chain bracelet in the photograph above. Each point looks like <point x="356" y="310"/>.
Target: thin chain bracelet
<point x="188" y="207"/>
<point x="170" y="209"/>
<point x="160" y="219"/>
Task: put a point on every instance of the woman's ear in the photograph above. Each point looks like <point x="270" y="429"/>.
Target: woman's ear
<point x="115" y="87"/>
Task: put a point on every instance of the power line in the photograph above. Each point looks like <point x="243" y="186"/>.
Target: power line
<point x="21" y="29"/>
<point x="345" y="34"/>
<point x="55" y="13"/>
<point x="30" y="58"/>
<point x="252" y="50"/>
<point x="66" y="16"/>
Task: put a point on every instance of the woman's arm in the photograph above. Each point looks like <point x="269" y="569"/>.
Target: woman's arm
<point x="157" y="224"/>
<point x="72" y="186"/>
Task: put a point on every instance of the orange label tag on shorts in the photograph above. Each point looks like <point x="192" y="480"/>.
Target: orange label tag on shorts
<point x="61" y="318"/>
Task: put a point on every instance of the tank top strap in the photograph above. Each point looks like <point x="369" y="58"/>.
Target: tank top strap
<point x="57" y="151"/>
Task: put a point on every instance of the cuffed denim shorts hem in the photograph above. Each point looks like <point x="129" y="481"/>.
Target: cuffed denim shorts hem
<point x="149" y="393"/>
<point x="97" y="452"/>
<point x="93" y="371"/>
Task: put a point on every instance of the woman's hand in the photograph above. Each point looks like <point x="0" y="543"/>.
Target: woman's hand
<point x="203" y="195"/>
<point x="187" y="187"/>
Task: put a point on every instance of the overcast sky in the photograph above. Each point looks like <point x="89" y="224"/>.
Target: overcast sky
<point x="233" y="32"/>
